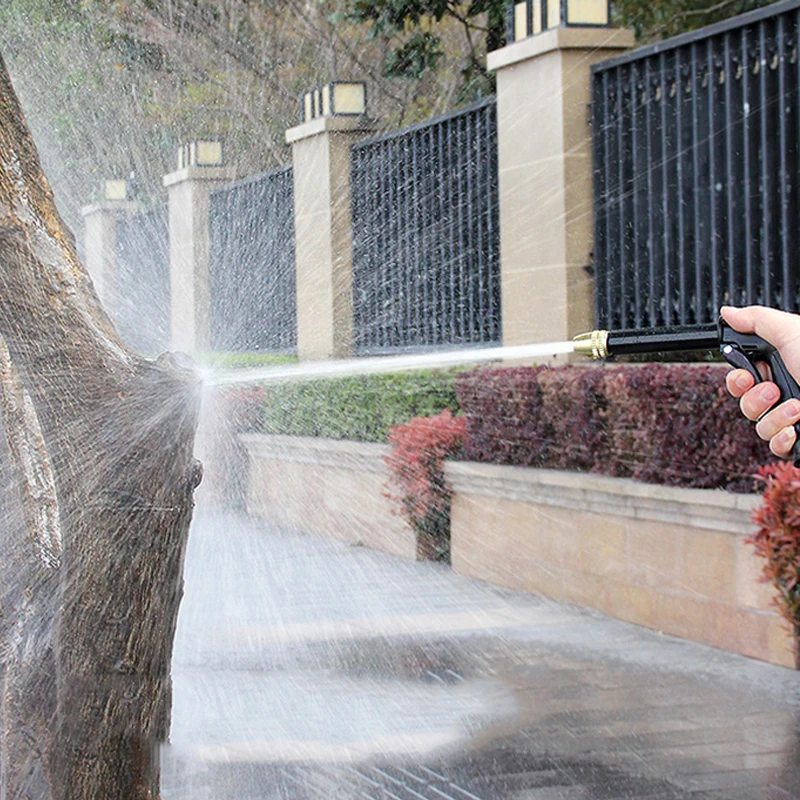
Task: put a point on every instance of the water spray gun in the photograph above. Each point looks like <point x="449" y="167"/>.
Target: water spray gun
<point x="740" y="350"/>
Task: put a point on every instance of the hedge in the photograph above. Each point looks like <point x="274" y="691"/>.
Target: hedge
<point x="361" y="408"/>
<point x="661" y="423"/>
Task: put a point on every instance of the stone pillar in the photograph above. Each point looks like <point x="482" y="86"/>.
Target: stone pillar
<point x="188" y="191"/>
<point x="100" y="234"/>
<point x="545" y="167"/>
<point x="323" y="234"/>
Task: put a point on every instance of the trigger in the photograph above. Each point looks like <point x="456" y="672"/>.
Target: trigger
<point x="736" y="358"/>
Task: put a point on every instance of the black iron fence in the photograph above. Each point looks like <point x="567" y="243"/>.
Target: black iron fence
<point x="696" y="174"/>
<point x="252" y="265"/>
<point x="426" y="234"/>
<point x="141" y="304"/>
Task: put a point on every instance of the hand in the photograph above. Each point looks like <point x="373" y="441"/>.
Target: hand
<point x="782" y="330"/>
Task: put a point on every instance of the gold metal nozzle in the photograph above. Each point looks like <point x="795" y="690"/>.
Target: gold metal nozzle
<point x="593" y="344"/>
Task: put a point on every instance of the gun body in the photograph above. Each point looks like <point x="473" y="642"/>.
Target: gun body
<point x="740" y="350"/>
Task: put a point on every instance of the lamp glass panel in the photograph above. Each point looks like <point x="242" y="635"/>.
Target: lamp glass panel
<point x="208" y="153"/>
<point x="520" y="22"/>
<point x="349" y="98"/>
<point x="537" y="16"/>
<point x="116" y="190"/>
<point x="553" y="13"/>
<point x="326" y="100"/>
<point x="317" y="103"/>
<point x="308" y="107"/>
<point x="587" y="12"/>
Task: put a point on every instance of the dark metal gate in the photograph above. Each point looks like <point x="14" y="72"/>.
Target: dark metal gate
<point x="252" y="265"/>
<point x="695" y="152"/>
<point x="426" y="234"/>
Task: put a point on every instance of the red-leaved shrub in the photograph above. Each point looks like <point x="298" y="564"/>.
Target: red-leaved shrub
<point x="777" y="539"/>
<point x="416" y="466"/>
<point x="242" y="408"/>
<point x="672" y="424"/>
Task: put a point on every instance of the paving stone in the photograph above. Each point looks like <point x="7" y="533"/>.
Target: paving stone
<point x="307" y="669"/>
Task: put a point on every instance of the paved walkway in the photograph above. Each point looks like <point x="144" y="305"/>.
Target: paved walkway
<point x="305" y="668"/>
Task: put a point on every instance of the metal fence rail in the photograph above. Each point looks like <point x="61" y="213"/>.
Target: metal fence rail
<point x="426" y="234"/>
<point x="252" y="265"/>
<point x="140" y="308"/>
<point x="695" y="153"/>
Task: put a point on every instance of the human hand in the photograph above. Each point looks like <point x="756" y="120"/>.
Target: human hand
<point x="782" y="330"/>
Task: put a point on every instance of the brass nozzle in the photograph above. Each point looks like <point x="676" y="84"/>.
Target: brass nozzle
<point x="593" y="343"/>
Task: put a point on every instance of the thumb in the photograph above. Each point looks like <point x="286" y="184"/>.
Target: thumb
<point x="779" y="328"/>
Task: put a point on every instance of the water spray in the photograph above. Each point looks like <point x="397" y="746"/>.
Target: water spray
<point x="380" y="365"/>
<point x="740" y="350"/>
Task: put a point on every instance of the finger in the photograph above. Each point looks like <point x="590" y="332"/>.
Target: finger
<point x="738" y="381"/>
<point x="777" y="327"/>
<point x="758" y="400"/>
<point x="781" y="445"/>
<point x="772" y="423"/>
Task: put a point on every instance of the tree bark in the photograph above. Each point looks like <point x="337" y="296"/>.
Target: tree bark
<point x="97" y="445"/>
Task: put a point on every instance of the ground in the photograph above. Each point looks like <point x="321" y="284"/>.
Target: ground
<point x="305" y="668"/>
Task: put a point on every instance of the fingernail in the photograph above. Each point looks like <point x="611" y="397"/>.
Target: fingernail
<point x="786" y="437"/>
<point x="791" y="410"/>
<point x="769" y="393"/>
<point x="743" y="382"/>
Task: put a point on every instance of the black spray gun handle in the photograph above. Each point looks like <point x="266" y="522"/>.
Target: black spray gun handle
<point x="745" y="351"/>
<point x="741" y="350"/>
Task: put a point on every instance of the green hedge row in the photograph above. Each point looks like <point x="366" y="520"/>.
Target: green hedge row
<point x="361" y="408"/>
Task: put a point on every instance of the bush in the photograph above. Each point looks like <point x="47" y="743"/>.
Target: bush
<point x="226" y="360"/>
<point x="241" y="409"/>
<point x="361" y="408"/>
<point x="668" y="424"/>
<point x="416" y="466"/>
<point x="777" y="539"/>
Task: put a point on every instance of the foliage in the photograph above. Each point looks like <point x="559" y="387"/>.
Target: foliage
<point x="777" y="539"/>
<point x="244" y="360"/>
<point x="414" y="28"/>
<point x="669" y="424"/>
<point x="241" y="409"/>
<point x="113" y="88"/>
<point x="361" y="408"/>
<point x="660" y="19"/>
<point x="416" y="466"/>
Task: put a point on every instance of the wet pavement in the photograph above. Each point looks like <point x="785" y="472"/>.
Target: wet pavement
<point x="305" y="668"/>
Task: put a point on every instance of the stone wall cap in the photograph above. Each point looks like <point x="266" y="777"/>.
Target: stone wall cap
<point x="705" y="508"/>
<point x="219" y="174"/>
<point x="560" y="39"/>
<point x="342" y="124"/>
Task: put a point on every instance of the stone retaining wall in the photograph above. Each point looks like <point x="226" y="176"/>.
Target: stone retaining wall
<point x="670" y="559"/>
<point x="325" y="486"/>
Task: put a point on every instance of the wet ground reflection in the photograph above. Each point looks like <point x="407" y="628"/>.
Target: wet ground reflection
<point x="308" y="669"/>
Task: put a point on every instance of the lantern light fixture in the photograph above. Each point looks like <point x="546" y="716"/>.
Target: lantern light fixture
<point x="534" y="16"/>
<point x="335" y="99"/>
<point x="200" y="153"/>
<point x="116" y="189"/>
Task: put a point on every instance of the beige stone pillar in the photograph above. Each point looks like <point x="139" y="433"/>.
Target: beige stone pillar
<point x="545" y="174"/>
<point x="323" y="234"/>
<point x="188" y="191"/>
<point x="100" y="234"/>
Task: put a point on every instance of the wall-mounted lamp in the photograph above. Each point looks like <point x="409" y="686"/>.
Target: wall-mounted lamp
<point x="200" y="153"/>
<point x="116" y="189"/>
<point x="335" y="99"/>
<point x="534" y="16"/>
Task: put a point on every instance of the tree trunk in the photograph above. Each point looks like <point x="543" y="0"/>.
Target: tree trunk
<point x="97" y="447"/>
